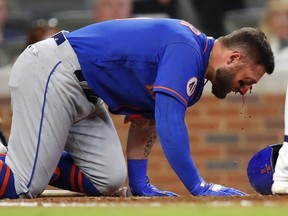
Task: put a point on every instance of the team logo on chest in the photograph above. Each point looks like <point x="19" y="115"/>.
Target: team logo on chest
<point x="191" y="86"/>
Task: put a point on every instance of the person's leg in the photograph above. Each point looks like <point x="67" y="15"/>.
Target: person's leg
<point x="280" y="176"/>
<point x="68" y="176"/>
<point x="7" y="188"/>
<point x="94" y="145"/>
<point x="45" y="97"/>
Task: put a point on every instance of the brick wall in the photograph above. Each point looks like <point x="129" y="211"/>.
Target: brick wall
<point x="224" y="134"/>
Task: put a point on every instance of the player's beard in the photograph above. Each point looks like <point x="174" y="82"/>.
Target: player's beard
<point x="222" y="83"/>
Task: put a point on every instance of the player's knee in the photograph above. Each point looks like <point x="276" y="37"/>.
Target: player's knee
<point x="115" y="181"/>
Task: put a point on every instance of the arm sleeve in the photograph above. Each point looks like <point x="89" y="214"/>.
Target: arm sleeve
<point x="173" y="135"/>
<point x="179" y="64"/>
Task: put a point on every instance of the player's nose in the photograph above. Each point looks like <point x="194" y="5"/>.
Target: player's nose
<point x="244" y="89"/>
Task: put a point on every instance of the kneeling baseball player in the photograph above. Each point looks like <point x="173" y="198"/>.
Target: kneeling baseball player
<point x="151" y="71"/>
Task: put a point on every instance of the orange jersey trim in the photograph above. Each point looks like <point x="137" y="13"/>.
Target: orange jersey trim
<point x="133" y="117"/>
<point x="171" y="90"/>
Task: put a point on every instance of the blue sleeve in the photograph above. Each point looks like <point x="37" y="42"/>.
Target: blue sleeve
<point x="173" y="135"/>
<point x="179" y="70"/>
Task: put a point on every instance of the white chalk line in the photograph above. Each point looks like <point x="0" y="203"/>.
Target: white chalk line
<point x="243" y="203"/>
<point x="65" y="193"/>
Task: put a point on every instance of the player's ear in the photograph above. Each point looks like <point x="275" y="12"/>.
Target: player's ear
<point x="234" y="56"/>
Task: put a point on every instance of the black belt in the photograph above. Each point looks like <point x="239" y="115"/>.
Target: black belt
<point x="59" y="38"/>
<point x="80" y="76"/>
<point x="90" y="94"/>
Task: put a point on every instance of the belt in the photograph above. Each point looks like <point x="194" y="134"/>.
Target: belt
<point x="59" y="37"/>
<point x="89" y="93"/>
<point x="79" y="75"/>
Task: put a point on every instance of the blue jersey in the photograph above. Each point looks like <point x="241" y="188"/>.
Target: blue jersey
<point x="127" y="61"/>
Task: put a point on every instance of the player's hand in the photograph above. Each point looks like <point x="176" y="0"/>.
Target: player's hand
<point x="210" y="189"/>
<point x="149" y="190"/>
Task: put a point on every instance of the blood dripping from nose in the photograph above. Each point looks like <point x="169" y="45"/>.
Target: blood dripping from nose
<point x="243" y="92"/>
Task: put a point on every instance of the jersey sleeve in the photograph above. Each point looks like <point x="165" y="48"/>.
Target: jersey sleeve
<point x="174" y="139"/>
<point x="178" y="71"/>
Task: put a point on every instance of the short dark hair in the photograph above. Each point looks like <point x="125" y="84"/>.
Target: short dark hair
<point x="254" y="42"/>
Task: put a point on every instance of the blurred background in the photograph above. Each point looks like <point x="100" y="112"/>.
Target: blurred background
<point x="224" y="134"/>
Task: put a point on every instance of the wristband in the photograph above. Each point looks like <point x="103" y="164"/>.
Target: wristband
<point x="137" y="170"/>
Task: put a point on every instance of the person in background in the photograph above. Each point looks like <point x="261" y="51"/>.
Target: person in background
<point x="168" y="7"/>
<point x="7" y="34"/>
<point x="42" y="29"/>
<point x="178" y="9"/>
<point x="211" y="14"/>
<point x="274" y="24"/>
<point x="3" y="16"/>
<point x="112" y="9"/>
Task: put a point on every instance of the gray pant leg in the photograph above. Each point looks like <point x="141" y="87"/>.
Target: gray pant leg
<point x="46" y="100"/>
<point x="96" y="149"/>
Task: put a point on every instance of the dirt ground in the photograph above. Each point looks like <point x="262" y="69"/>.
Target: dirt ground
<point x="80" y="199"/>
